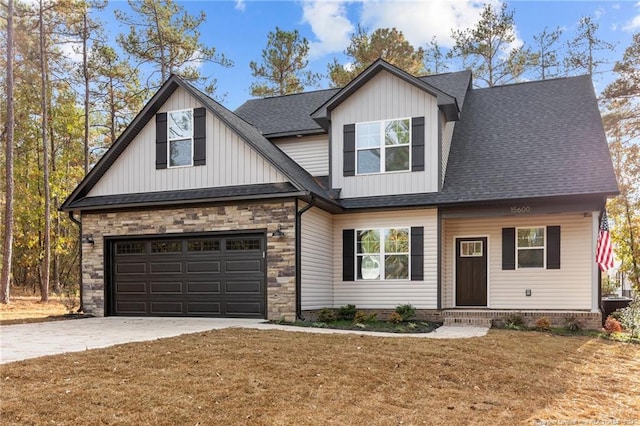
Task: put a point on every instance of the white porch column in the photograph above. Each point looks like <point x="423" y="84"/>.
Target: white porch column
<point x="595" y="283"/>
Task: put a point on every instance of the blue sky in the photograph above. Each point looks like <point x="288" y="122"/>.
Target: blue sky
<point x="239" y="28"/>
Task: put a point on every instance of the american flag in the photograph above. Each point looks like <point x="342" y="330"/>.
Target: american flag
<point x="604" y="252"/>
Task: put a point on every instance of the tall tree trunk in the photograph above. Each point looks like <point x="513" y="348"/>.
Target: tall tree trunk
<point x="85" y="74"/>
<point x="165" y="67"/>
<point x="44" y="286"/>
<point x="7" y="248"/>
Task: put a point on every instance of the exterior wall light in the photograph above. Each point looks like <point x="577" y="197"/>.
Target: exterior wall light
<point x="88" y="239"/>
<point x="278" y="233"/>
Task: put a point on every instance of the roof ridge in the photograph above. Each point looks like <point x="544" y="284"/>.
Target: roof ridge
<point x="519" y="83"/>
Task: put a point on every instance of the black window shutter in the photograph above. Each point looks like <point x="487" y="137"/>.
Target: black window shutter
<point x="348" y="254"/>
<point x="553" y="247"/>
<point x="199" y="136"/>
<point x="417" y="253"/>
<point x="161" y="140"/>
<point x="417" y="144"/>
<point x="349" y="139"/>
<point x="508" y="248"/>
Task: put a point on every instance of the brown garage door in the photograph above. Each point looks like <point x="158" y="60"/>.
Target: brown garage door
<point x="196" y="276"/>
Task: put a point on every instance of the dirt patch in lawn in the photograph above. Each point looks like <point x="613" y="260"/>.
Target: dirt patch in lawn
<point x="240" y="376"/>
<point x="26" y="309"/>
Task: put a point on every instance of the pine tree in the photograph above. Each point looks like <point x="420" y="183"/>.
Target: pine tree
<point x="364" y="49"/>
<point x="283" y="65"/>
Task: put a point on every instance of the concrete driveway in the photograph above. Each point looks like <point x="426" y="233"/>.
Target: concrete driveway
<point x="24" y="341"/>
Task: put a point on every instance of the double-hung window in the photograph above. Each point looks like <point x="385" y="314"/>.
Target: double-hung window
<point x="383" y="146"/>
<point x="530" y="247"/>
<point x="180" y="138"/>
<point x="383" y="254"/>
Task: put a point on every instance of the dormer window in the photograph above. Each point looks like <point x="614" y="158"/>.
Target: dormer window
<point x="180" y="135"/>
<point x="383" y="146"/>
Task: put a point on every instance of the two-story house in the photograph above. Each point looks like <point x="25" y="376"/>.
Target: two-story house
<point x="466" y="203"/>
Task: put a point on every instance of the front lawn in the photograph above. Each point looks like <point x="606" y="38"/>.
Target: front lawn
<point x="240" y="376"/>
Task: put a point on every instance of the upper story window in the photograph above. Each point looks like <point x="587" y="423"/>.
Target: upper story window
<point x="383" y="146"/>
<point x="530" y="247"/>
<point x="180" y="138"/>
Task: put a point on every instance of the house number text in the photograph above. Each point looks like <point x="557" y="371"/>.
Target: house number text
<point x="521" y="210"/>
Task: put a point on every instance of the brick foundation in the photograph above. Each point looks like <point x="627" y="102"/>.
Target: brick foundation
<point x="261" y="217"/>
<point x="588" y="320"/>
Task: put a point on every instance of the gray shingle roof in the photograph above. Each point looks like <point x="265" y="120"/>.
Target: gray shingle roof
<point x="290" y="115"/>
<point x="533" y="139"/>
<point x="300" y="178"/>
<point x="530" y="140"/>
<point x="227" y="193"/>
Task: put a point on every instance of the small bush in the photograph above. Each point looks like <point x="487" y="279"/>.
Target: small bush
<point x="347" y="313"/>
<point x="362" y="317"/>
<point x="612" y="325"/>
<point x="543" y="324"/>
<point x="395" y="318"/>
<point x="407" y="311"/>
<point x="514" y="322"/>
<point x="572" y="324"/>
<point x="630" y="318"/>
<point x="326" y="315"/>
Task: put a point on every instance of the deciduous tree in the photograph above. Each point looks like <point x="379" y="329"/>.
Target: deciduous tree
<point x="621" y="99"/>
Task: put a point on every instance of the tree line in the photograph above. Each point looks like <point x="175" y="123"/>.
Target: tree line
<point x="70" y="92"/>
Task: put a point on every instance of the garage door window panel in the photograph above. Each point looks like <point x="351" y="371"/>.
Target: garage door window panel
<point x="130" y="248"/>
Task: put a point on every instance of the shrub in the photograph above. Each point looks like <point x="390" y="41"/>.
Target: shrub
<point x="326" y="315"/>
<point x="612" y="325"/>
<point x="395" y="318"/>
<point x="347" y="313"/>
<point x="514" y="322"/>
<point x="543" y="324"/>
<point x="572" y="323"/>
<point x="362" y="317"/>
<point x="407" y="311"/>
<point x="630" y="318"/>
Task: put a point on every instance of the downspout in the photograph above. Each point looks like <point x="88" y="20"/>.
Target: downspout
<point x="299" y="256"/>
<point x="79" y="223"/>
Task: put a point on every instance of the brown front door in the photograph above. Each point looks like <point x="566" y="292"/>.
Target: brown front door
<point x="471" y="271"/>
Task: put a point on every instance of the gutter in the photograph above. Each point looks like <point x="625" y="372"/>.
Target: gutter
<point x="79" y="223"/>
<point x="299" y="214"/>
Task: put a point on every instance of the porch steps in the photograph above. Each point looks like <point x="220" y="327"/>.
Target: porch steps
<point x="473" y="322"/>
<point x="469" y="319"/>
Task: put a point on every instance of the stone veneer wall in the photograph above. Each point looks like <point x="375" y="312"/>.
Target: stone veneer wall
<point x="175" y="221"/>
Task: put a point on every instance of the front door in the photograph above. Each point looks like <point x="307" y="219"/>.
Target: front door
<point x="471" y="271"/>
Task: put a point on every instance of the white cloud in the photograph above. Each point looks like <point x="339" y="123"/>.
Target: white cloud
<point x="240" y="5"/>
<point x="615" y="6"/>
<point x="425" y="20"/>
<point x="71" y="50"/>
<point x="634" y="23"/>
<point x="330" y="25"/>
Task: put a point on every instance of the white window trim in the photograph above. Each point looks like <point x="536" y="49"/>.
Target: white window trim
<point x="544" y="249"/>
<point x="383" y="147"/>
<point x="169" y="139"/>
<point x="382" y="254"/>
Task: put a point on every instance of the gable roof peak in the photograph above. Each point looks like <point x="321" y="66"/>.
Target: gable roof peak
<point x="446" y="102"/>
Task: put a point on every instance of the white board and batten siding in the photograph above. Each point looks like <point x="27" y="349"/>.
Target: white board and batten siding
<point x="386" y="97"/>
<point x="566" y="288"/>
<point x="317" y="259"/>
<point x="388" y="294"/>
<point x="311" y="152"/>
<point x="229" y="160"/>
